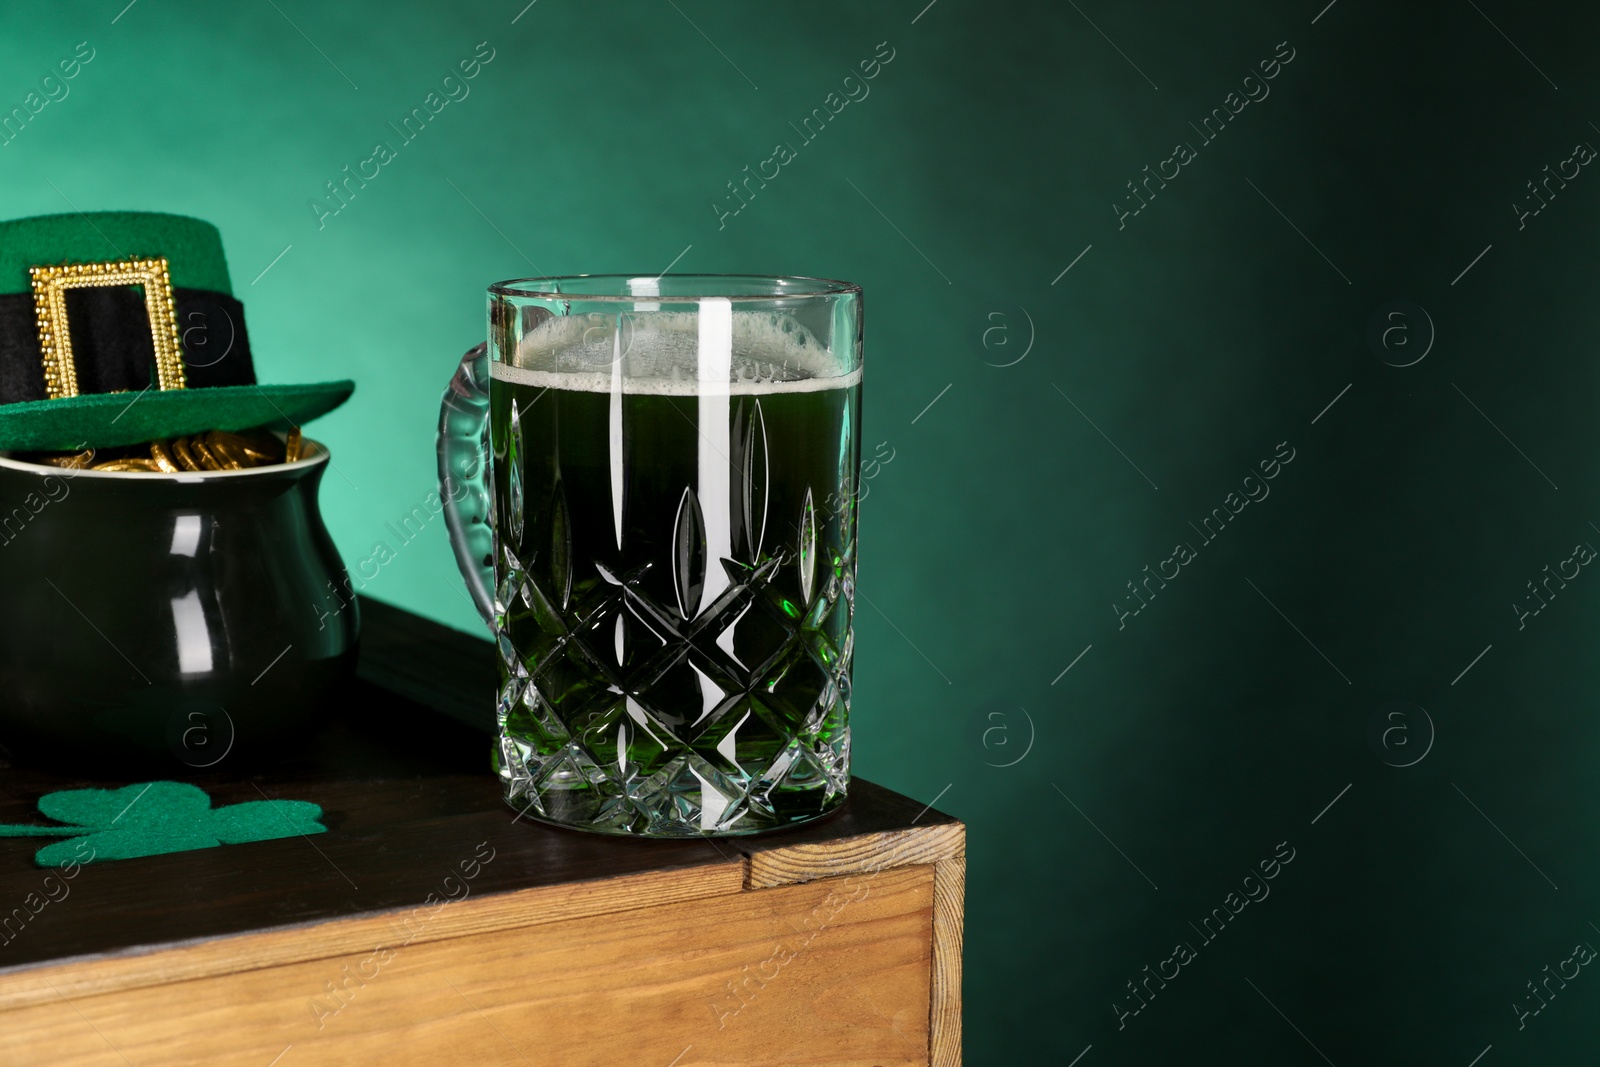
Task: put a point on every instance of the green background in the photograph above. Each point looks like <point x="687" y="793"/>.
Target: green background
<point x="1188" y="741"/>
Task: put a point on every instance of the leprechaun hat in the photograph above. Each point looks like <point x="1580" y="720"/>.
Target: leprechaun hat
<point x="121" y="327"/>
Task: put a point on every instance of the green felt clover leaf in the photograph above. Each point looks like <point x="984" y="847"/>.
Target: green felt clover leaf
<point x="152" y="804"/>
<point x="154" y="818"/>
<point x="264" y="820"/>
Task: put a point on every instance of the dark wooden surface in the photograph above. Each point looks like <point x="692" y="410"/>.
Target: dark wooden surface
<point x="427" y="663"/>
<point x="407" y="794"/>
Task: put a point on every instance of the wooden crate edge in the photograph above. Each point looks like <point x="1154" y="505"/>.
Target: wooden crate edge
<point x="862" y="854"/>
<point x="89" y="976"/>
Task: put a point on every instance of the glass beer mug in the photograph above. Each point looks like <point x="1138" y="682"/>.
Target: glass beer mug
<point x="663" y="541"/>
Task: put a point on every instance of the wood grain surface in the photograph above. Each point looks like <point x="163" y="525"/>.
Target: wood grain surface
<point x="825" y="974"/>
<point x="944" y="1008"/>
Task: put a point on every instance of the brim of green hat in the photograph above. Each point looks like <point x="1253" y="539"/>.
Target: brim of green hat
<point x="106" y="420"/>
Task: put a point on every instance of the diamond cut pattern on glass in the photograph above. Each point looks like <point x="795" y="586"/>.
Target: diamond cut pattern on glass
<point x="657" y="719"/>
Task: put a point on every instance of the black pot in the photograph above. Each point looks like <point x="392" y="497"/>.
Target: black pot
<point x="169" y="622"/>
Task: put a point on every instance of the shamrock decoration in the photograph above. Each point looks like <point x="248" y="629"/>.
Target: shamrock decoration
<point x="153" y="818"/>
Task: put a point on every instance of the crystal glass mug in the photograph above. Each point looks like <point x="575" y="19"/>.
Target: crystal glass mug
<point x="663" y="541"/>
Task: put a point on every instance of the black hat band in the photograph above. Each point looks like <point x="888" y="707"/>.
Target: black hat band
<point x="111" y="337"/>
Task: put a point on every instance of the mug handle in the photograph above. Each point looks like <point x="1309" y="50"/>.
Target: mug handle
<point x="463" y="448"/>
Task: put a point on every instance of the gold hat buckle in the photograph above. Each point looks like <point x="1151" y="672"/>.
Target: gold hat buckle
<point x="50" y="285"/>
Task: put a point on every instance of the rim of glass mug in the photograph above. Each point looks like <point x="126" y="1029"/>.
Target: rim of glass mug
<point x="317" y="453"/>
<point x="618" y="288"/>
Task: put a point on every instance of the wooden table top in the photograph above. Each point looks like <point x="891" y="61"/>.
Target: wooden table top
<point x="403" y="777"/>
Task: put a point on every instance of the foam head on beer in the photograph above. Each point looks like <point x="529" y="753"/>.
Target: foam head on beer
<point x="668" y="353"/>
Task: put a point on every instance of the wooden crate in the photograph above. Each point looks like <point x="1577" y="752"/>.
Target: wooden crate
<point x="429" y="926"/>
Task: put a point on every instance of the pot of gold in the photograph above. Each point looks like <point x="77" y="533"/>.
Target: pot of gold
<point x="168" y="591"/>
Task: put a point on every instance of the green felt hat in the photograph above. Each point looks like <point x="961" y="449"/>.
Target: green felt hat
<point x="121" y="327"/>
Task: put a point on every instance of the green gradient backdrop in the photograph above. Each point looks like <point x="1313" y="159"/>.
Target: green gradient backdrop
<point x="1224" y="717"/>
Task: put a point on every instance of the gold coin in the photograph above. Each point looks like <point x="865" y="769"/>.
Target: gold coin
<point x="263" y="445"/>
<point x="230" y="443"/>
<point x="197" y="445"/>
<point x="78" y="461"/>
<point x="229" y="453"/>
<point x="292" y="446"/>
<point x="258" y="444"/>
<point x="163" y="458"/>
<point x="205" y="451"/>
<point x="127" y="465"/>
<point x="182" y="454"/>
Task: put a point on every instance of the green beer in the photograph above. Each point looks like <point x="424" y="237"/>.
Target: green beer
<point x="675" y="534"/>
